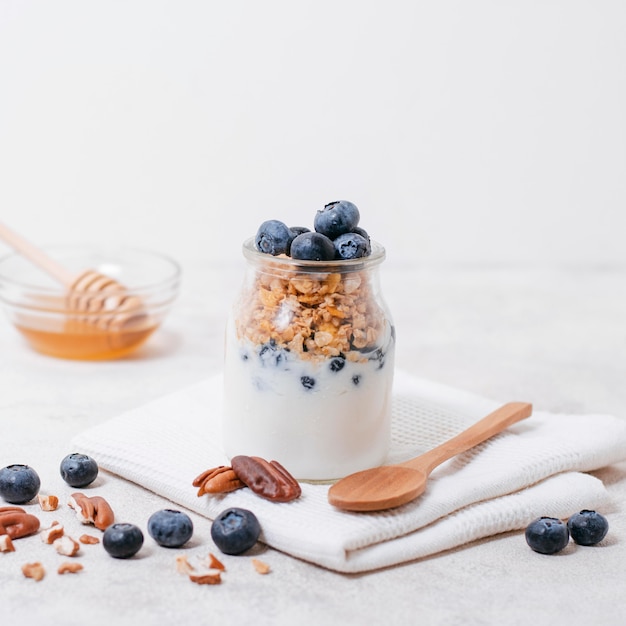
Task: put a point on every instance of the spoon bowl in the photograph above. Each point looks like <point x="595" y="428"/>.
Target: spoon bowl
<point x="389" y="486"/>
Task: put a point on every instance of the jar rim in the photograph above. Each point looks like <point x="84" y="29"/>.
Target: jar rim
<point x="376" y="257"/>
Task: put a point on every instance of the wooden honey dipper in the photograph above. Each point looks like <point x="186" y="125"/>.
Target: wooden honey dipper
<point x="105" y="302"/>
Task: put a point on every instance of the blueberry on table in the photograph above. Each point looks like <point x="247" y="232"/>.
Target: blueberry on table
<point x="336" y="218"/>
<point x="78" y="470"/>
<point x="19" y="483"/>
<point x="547" y="535"/>
<point x="170" y="528"/>
<point x="351" y="246"/>
<point x="122" y="540"/>
<point x="273" y="237"/>
<point x="312" y="247"/>
<point x="235" y="530"/>
<point x="588" y="527"/>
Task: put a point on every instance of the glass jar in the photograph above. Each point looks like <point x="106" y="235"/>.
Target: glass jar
<point x="309" y="360"/>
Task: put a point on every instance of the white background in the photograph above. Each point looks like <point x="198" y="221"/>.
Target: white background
<point x="484" y="133"/>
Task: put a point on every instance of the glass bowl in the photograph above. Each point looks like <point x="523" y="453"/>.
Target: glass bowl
<point x="89" y="325"/>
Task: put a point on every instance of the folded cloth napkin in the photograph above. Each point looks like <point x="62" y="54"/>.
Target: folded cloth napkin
<point x="533" y="468"/>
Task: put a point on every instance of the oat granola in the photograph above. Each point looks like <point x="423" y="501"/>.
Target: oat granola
<point x="315" y="316"/>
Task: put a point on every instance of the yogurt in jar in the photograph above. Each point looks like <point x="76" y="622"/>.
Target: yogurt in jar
<point x="309" y="366"/>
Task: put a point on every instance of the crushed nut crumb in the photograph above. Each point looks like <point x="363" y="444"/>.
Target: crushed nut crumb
<point x="6" y="544"/>
<point x="34" y="570"/>
<point x="48" y="503"/>
<point x="69" y="568"/>
<point x="261" y="567"/>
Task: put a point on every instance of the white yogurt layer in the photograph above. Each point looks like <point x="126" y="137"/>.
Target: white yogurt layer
<point x="321" y="419"/>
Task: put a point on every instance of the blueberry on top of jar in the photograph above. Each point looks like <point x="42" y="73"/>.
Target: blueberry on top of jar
<point x="336" y="218"/>
<point x="312" y="246"/>
<point x="274" y="237"/>
<point x="351" y="246"/>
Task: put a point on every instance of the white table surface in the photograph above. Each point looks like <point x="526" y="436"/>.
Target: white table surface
<point x="556" y="338"/>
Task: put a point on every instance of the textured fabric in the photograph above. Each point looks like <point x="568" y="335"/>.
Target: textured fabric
<point x="535" y="467"/>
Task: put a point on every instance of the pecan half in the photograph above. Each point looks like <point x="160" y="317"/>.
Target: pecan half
<point x="268" y="480"/>
<point x="220" y="479"/>
<point x="94" y="510"/>
<point x="16" y="523"/>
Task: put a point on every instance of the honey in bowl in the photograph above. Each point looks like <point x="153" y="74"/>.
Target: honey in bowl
<point x="110" y="312"/>
<point x="80" y="340"/>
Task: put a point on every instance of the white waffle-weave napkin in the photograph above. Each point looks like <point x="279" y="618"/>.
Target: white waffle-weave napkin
<point x="534" y="468"/>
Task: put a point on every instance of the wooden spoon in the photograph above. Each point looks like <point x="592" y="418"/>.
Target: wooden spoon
<point x="389" y="486"/>
<point x="105" y="302"/>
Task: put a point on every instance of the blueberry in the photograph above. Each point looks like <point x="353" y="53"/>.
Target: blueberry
<point x="351" y="246"/>
<point x="272" y="355"/>
<point x="312" y="247"/>
<point x="356" y="379"/>
<point x="298" y="230"/>
<point x="547" y="535"/>
<point x="235" y="530"/>
<point x="122" y="540"/>
<point x="19" y="483"/>
<point x="78" y="470"/>
<point x="307" y="382"/>
<point x="379" y="356"/>
<point x="361" y="231"/>
<point x="588" y="527"/>
<point x="336" y="218"/>
<point x="337" y="363"/>
<point x="169" y="528"/>
<point x="273" y="237"/>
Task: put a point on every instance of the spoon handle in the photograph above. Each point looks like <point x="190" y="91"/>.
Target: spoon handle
<point x="35" y="255"/>
<point x="482" y="430"/>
